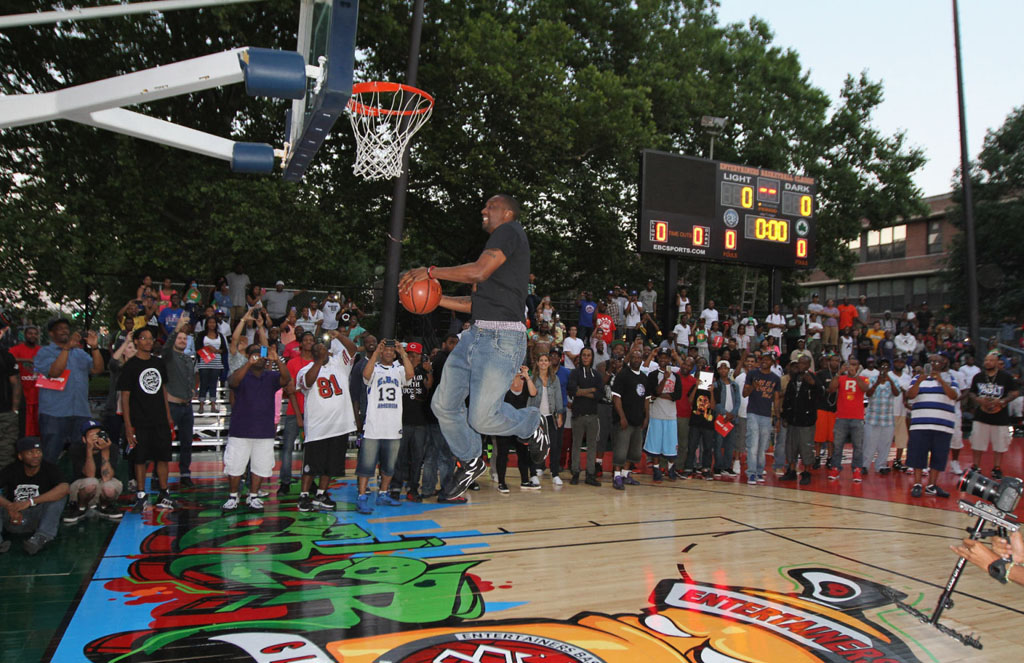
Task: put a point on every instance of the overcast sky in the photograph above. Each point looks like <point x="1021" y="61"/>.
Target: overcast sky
<point x="908" y="45"/>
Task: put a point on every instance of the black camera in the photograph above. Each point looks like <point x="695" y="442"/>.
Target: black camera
<point x="102" y="434"/>
<point x="345" y="317"/>
<point x="390" y="343"/>
<point x="1004" y="493"/>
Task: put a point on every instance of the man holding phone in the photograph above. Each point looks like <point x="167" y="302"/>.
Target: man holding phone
<point x="849" y="387"/>
<point x="933" y="396"/>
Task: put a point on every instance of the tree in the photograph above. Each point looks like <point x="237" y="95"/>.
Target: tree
<point x="549" y="100"/>
<point x="997" y="179"/>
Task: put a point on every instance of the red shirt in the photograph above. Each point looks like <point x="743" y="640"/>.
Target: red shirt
<point x="683" y="406"/>
<point x="296" y="364"/>
<point x="847" y="314"/>
<point x="292" y="350"/>
<point x="605" y="328"/>
<point x="850" y="397"/>
<point x="26" y="369"/>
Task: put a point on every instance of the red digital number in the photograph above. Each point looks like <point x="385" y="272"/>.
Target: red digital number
<point x="730" y="239"/>
<point x="698" y="235"/>
<point x="801" y="248"/>
<point x="660" y="231"/>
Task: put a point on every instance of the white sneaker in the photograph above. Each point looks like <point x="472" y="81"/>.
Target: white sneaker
<point x="254" y="502"/>
<point x="954" y="467"/>
<point x="556" y="480"/>
<point x="231" y="504"/>
<point x="539" y="472"/>
<point x="535" y="480"/>
<point x="736" y="467"/>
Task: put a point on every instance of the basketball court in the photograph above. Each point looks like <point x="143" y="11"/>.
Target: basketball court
<point x="693" y="570"/>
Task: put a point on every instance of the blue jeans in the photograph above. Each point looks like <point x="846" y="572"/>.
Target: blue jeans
<point x="208" y="384"/>
<point x="373" y="451"/>
<point x="438" y="462"/>
<point x="415" y="440"/>
<point x="42" y="519"/>
<point x="57" y="433"/>
<point x="759" y="432"/>
<point x="723" y="450"/>
<point x="291" y="433"/>
<point x="481" y="367"/>
<point x="851" y="430"/>
<point x="181" y="415"/>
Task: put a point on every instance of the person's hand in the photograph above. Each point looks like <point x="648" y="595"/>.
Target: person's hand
<point x="400" y="350"/>
<point x="425" y="363"/>
<point x="102" y="443"/>
<point x="130" y="436"/>
<point x="90" y="445"/>
<point x="255" y="359"/>
<point x="298" y="420"/>
<point x="558" y="421"/>
<point x="92" y="339"/>
<point x="74" y="341"/>
<point x="623" y="424"/>
<point x="1012" y="549"/>
<point x="272" y="354"/>
<point x="406" y="280"/>
<point x="259" y="321"/>
<point x="976" y="553"/>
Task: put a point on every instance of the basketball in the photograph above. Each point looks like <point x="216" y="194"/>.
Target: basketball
<point x="421" y="297"/>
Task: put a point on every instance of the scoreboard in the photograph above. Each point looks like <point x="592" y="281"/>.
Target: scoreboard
<point x="722" y="212"/>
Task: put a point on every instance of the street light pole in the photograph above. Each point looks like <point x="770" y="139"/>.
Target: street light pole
<point x="965" y="178"/>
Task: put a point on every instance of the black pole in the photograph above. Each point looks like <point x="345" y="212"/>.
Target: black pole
<point x="965" y="178"/>
<point x="396" y="225"/>
<point x="957" y="570"/>
<point x="669" y="298"/>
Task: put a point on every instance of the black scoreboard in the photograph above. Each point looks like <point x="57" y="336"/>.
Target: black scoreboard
<point x="722" y="212"/>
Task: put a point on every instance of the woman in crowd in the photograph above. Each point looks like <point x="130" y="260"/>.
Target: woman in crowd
<point x="546" y="312"/>
<point x="548" y="399"/>
<point x="213" y="353"/>
<point x="254" y="297"/>
<point x="585" y="388"/>
<point x="517" y="396"/>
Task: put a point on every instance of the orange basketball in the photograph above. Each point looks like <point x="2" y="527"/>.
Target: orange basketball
<point x="421" y="297"/>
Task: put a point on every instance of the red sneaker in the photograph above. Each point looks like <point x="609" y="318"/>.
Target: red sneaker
<point x="833" y="474"/>
<point x="856" y="475"/>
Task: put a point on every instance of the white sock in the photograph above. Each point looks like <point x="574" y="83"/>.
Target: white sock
<point x="618" y="473"/>
<point x="235" y="495"/>
<point x="319" y="493"/>
<point x="304" y="493"/>
<point x="141" y="494"/>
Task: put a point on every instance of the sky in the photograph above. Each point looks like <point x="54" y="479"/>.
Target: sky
<point x="908" y="45"/>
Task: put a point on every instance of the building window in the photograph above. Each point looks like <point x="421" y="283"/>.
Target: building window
<point x="934" y="237"/>
<point x="887" y="243"/>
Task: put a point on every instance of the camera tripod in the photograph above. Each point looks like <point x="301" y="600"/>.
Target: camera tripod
<point x="985" y="513"/>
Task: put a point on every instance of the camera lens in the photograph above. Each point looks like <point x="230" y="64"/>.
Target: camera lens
<point x="977" y="484"/>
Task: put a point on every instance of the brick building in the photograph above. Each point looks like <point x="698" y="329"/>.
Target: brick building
<point x="898" y="265"/>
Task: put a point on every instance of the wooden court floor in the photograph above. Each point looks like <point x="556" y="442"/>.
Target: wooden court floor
<point x="687" y="571"/>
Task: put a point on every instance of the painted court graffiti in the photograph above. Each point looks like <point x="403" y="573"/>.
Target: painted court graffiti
<point x="315" y="587"/>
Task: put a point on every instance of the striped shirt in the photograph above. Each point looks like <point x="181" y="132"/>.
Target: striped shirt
<point x="933" y="409"/>
<point x="879" y="411"/>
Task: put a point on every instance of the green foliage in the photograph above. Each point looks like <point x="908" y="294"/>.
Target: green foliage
<point x="549" y="100"/>
<point x="997" y="179"/>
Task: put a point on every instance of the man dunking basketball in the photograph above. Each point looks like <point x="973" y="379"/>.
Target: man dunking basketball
<point x="490" y="352"/>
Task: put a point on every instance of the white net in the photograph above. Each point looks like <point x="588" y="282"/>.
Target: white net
<point x="384" y="117"/>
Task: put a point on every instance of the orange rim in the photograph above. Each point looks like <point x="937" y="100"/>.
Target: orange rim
<point x="371" y="87"/>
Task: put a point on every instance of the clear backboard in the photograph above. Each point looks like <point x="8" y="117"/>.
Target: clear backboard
<point x="327" y="38"/>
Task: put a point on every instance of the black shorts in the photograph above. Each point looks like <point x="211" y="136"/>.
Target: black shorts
<point x="152" y="443"/>
<point x="325" y="457"/>
<point x="928" y="449"/>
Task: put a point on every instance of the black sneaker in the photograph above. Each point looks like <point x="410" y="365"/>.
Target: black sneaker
<point x="539" y="444"/>
<point x="790" y="475"/>
<point x="140" y="504"/>
<point x="305" y="503"/>
<point x="72" y="513"/>
<point x="805" y="478"/>
<point x="997" y="473"/>
<point x="916" y="490"/>
<point x="575" y="479"/>
<point x="817" y="463"/>
<point x="656" y="474"/>
<point x="591" y="480"/>
<point x="284" y="488"/>
<point x="885" y="470"/>
<point x="165" y="502"/>
<point x="325" y="502"/>
<point x="466" y="474"/>
<point x="186" y="482"/>
<point x="474" y="486"/>
<point x="34" y="543"/>
<point x="110" y="511"/>
<point x="503" y="488"/>
<point x="936" y="491"/>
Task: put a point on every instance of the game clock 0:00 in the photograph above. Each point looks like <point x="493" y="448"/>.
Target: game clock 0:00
<point x="711" y="210"/>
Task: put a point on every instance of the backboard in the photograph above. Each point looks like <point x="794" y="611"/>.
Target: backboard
<point x="327" y="38"/>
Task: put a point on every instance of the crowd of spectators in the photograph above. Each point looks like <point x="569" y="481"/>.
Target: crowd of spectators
<point x="720" y="391"/>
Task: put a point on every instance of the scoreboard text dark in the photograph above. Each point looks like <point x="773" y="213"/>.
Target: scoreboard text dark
<point x="711" y="210"/>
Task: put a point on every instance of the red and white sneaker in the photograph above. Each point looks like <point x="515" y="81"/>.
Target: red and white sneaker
<point x="857" y="478"/>
<point x="833" y="474"/>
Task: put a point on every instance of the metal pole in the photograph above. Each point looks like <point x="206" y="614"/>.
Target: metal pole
<point x="703" y="284"/>
<point x="396" y="226"/>
<point x="965" y="178"/>
<point x="108" y="11"/>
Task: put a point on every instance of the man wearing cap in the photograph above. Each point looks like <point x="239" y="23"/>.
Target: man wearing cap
<point x="32" y="497"/>
<point x="664" y="388"/>
<point x="802" y="351"/>
<point x="799" y="416"/>
<point x="762" y="390"/>
<point x="992" y="390"/>
<point x="588" y="309"/>
<point x="932" y="397"/>
<point x="25" y="354"/>
<point x="879" y="420"/>
<point x="331" y="308"/>
<point x="849" y="387"/>
<point x="277" y="300"/>
<point x="64" y="392"/>
<point x="312" y="317"/>
<point x="94" y="467"/>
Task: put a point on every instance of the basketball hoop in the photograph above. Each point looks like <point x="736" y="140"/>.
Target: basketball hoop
<point x="384" y="117"/>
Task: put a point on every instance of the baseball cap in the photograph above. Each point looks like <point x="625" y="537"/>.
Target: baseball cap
<point x="26" y="443"/>
<point x="414" y="347"/>
<point x="57" y="321"/>
<point x="632" y="292"/>
<point x="90" y="424"/>
<point x="279" y="282"/>
<point x="723" y="362"/>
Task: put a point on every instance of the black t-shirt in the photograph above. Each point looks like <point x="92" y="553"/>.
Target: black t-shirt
<point x="631" y="388"/>
<point x="18" y="486"/>
<point x="144" y="379"/>
<point x="518" y="401"/>
<point x="8" y="368"/>
<point x="826" y="401"/>
<point x="415" y="399"/>
<point x="997" y="386"/>
<point x="503" y="296"/>
<point x="77" y="454"/>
